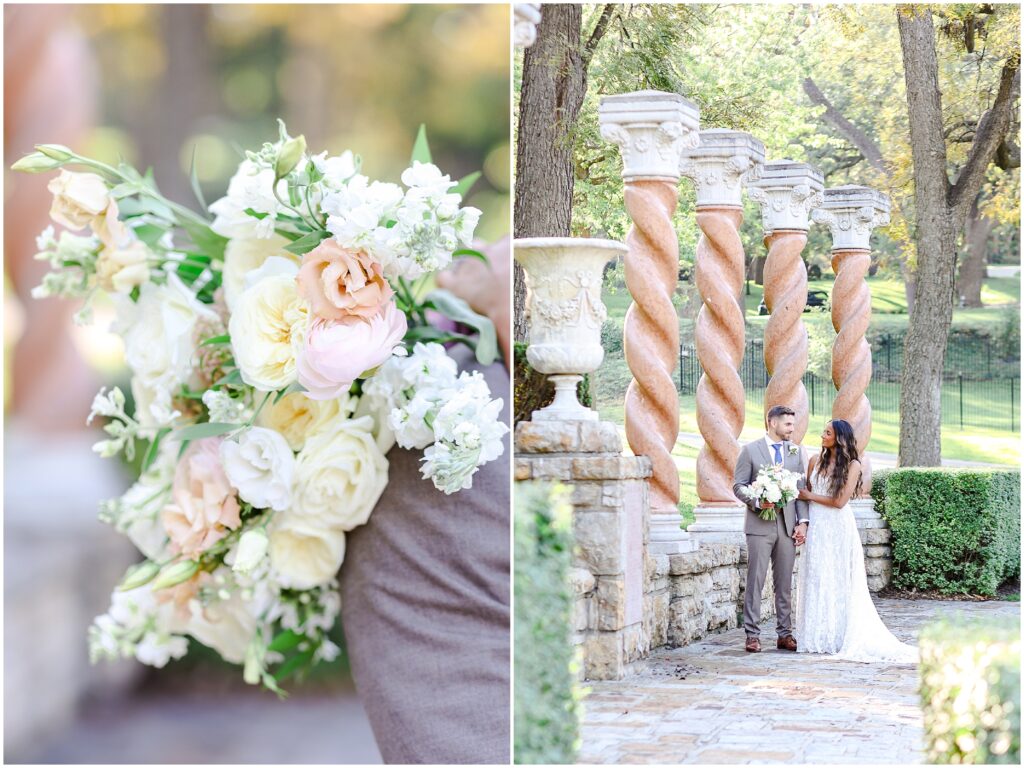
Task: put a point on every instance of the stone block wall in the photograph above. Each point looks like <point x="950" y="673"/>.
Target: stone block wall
<point x="610" y="519"/>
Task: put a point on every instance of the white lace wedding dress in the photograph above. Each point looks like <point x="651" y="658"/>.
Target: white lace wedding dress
<point x="835" y="614"/>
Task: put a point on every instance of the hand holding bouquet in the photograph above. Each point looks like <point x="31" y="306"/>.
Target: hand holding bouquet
<point x="772" y="489"/>
<point x="277" y="352"/>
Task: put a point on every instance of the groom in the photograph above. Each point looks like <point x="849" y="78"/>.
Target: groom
<point x="773" y="541"/>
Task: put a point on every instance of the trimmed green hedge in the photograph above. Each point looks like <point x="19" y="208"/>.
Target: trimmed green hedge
<point x="970" y="692"/>
<point x="954" y="531"/>
<point x="546" y="690"/>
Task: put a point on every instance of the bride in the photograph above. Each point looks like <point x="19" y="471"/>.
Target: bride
<point x="835" y="614"/>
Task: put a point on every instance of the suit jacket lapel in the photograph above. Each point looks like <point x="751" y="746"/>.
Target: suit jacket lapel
<point x="767" y="457"/>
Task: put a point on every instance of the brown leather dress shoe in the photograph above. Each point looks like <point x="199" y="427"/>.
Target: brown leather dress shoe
<point x="753" y="645"/>
<point x="786" y="643"/>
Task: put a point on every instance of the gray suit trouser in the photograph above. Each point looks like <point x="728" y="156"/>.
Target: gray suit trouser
<point x="425" y="607"/>
<point x="777" y="548"/>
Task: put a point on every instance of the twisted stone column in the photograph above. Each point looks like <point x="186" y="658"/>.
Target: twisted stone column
<point x="652" y="129"/>
<point x="719" y="167"/>
<point x="787" y="192"/>
<point x="851" y="213"/>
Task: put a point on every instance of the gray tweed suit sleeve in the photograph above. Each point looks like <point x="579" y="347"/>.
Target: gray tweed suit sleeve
<point x="743" y="476"/>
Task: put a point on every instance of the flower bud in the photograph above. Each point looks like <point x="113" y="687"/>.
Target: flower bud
<point x="289" y="156"/>
<point x="252" y="547"/>
<point x="175" y="574"/>
<point x="37" y="162"/>
<point x="137" y="575"/>
<point x="252" y="672"/>
<point x="56" y="151"/>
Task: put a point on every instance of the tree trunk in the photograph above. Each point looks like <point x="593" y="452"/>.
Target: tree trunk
<point x="554" y="85"/>
<point x="925" y="347"/>
<point x="942" y="211"/>
<point x="972" y="263"/>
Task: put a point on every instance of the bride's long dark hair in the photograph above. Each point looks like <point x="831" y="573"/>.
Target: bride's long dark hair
<point x="834" y="463"/>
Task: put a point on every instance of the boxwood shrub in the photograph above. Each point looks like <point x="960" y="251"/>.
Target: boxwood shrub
<point x="970" y="692"/>
<point x="546" y="689"/>
<point x="956" y="531"/>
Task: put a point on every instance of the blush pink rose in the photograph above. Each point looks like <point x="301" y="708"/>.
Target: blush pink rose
<point x="204" y="506"/>
<point x="341" y="283"/>
<point x="337" y="353"/>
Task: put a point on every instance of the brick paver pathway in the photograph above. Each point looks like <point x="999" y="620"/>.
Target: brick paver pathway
<point x="711" y="702"/>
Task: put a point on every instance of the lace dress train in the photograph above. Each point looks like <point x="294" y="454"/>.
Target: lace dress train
<point x="835" y="613"/>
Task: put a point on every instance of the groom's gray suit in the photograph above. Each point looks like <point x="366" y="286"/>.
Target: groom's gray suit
<point x="768" y="540"/>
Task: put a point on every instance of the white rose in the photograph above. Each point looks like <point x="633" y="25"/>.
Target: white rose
<point x="121" y="268"/>
<point x="159" y="342"/>
<point x="244" y="254"/>
<point x="297" y="417"/>
<point x="227" y="626"/>
<point x="303" y="555"/>
<point x="78" y="198"/>
<point x="260" y="464"/>
<point x="267" y="330"/>
<point x="339" y="476"/>
<point x="773" y="493"/>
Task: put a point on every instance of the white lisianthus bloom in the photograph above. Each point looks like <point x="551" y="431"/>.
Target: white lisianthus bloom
<point x="159" y="341"/>
<point x="120" y="268"/>
<point x="227" y="626"/>
<point x="304" y="555"/>
<point x="261" y="465"/>
<point x="268" y="330"/>
<point x="244" y="254"/>
<point x="250" y="188"/>
<point x="339" y="476"/>
<point x="78" y="198"/>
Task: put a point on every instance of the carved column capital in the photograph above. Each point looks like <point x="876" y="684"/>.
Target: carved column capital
<point x="652" y="129"/>
<point x="527" y="17"/>
<point x="851" y="213"/>
<point x="721" y="165"/>
<point x="787" y="192"/>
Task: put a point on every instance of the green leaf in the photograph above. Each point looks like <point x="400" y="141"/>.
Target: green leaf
<point x="285" y="641"/>
<point x="225" y="339"/>
<point x="450" y="305"/>
<point x="205" y="239"/>
<point x="232" y="378"/>
<point x="293" y="665"/>
<point x="420" y="149"/>
<point x="154" y="444"/>
<point x="465" y="184"/>
<point x="471" y="254"/>
<point x="150" y="234"/>
<point x="193" y="179"/>
<point x="127" y="189"/>
<point x="290" y="389"/>
<point x="255" y="214"/>
<point x="199" y="431"/>
<point x="307" y="243"/>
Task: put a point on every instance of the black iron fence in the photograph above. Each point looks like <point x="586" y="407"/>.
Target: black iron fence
<point x="980" y="387"/>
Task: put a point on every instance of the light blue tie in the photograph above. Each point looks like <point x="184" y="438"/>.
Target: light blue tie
<point x="778" y="452"/>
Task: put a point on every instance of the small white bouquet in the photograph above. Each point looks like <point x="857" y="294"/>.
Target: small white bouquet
<point x="774" y="485"/>
<point x="278" y="348"/>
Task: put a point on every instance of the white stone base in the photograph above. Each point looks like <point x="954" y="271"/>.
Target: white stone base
<point x="667" y="537"/>
<point x="718" y="523"/>
<point x="865" y="514"/>
<point x="565" y="406"/>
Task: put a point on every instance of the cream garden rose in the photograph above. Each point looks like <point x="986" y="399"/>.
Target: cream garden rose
<point x="304" y="555"/>
<point x="267" y="330"/>
<point x="339" y="476"/>
<point x="244" y="254"/>
<point x="78" y="198"/>
<point x="298" y="418"/>
<point x="260" y="464"/>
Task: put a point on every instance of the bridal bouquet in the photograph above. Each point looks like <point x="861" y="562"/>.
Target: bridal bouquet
<point x="774" y="485"/>
<point x="278" y="348"/>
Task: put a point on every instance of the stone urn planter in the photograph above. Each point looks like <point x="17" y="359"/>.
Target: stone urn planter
<point x="565" y="314"/>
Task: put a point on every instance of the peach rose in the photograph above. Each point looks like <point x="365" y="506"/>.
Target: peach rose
<point x="204" y="506"/>
<point x="340" y="283"/>
<point x="337" y="353"/>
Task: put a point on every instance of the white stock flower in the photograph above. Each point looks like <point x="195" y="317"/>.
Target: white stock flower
<point x="158" y="332"/>
<point x="225" y="409"/>
<point x="339" y="476"/>
<point x="251" y="188"/>
<point x="268" y="330"/>
<point x="261" y="465"/>
<point x="336" y="171"/>
<point x="358" y="212"/>
<point x="244" y="254"/>
<point x="137" y="625"/>
<point x="304" y="555"/>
